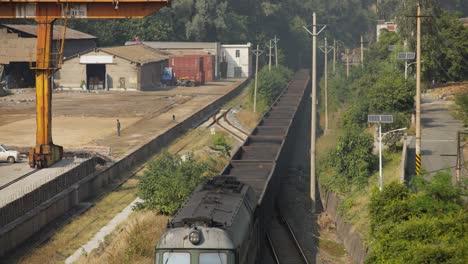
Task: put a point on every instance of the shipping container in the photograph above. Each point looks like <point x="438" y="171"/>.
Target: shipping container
<point x="193" y="63"/>
<point x="209" y="67"/>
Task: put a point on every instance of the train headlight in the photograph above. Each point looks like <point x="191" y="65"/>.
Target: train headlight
<point x="195" y="237"/>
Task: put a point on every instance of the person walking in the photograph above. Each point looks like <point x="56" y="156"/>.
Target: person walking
<point x="118" y="128"/>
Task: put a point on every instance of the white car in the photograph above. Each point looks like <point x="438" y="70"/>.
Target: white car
<point x="10" y="156"/>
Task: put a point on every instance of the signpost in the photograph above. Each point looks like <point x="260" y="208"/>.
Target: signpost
<point x="379" y="119"/>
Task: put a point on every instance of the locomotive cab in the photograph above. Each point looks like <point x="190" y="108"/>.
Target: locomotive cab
<point x="195" y="256"/>
<point x="199" y="245"/>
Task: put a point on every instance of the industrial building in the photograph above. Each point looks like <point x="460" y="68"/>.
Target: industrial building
<point x="238" y="59"/>
<point x="18" y="50"/>
<point x="132" y="67"/>
<point x="231" y="61"/>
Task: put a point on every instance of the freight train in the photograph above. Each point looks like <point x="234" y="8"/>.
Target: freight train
<point x="226" y="218"/>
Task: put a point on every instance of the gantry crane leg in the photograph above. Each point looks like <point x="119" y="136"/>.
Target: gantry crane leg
<point x="45" y="153"/>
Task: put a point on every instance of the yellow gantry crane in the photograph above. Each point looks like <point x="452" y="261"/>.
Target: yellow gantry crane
<point x="45" y="13"/>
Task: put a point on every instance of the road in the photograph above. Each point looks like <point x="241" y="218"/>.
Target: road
<point x="439" y="135"/>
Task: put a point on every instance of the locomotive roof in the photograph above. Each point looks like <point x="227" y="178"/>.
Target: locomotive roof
<point x="214" y="203"/>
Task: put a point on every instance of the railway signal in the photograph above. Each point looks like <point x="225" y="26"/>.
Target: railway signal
<point x="46" y="12"/>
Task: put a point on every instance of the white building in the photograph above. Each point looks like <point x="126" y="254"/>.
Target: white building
<point x="239" y="60"/>
<point x="381" y="25"/>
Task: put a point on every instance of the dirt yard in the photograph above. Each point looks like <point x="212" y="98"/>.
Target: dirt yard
<point x="86" y="119"/>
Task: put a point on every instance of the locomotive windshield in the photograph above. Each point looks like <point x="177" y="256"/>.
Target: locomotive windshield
<point x="176" y="258"/>
<point x="213" y="258"/>
<point x="195" y="257"/>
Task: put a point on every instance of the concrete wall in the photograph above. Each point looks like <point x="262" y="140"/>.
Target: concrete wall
<point x="243" y="61"/>
<point x="18" y="231"/>
<point x="346" y="232"/>
<point x="15" y="49"/>
<point x="122" y="69"/>
<point x="150" y="75"/>
<point x="71" y="74"/>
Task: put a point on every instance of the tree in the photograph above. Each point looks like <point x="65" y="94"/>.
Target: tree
<point x="444" y="45"/>
<point x="208" y="20"/>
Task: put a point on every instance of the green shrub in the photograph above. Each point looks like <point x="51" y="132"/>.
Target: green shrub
<point x="270" y="85"/>
<point x="352" y="161"/>
<point x="220" y="143"/>
<point x="424" y="227"/>
<point x="169" y="181"/>
<point x="462" y="105"/>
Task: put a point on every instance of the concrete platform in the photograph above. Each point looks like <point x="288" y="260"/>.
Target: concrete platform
<point x="35" y="180"/>
<point x="10" y="172"/>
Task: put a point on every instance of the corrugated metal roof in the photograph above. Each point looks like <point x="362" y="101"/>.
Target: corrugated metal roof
<point x="177" y="45"/>
<point x="137" y="53"/>
<point x="58" y="31"/>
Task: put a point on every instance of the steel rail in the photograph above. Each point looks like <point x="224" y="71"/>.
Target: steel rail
<point x="18" y="179"/>
<point x="235" y="127"/>
<point x="272" y="248"/>
<point x="225" y="128"/>
<point x="296" y="241"/>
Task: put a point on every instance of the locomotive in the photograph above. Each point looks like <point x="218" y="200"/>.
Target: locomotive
<point x="226" y="218"/>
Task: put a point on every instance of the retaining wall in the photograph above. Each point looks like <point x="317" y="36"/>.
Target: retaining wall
<point x="352" y="239"/>
<point x="24" y="204"/>
<point x="18" y="231"/>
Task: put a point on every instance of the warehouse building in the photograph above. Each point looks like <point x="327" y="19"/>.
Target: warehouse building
<point x="133" y="67"/>
<point x="230" y="60"/>
<point x="186" y="48"/>
<point x="18" y="50"/>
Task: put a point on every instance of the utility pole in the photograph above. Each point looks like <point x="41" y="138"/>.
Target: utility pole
<point x="313" y="133"/>
<point x="326" y="49"/>
<point x="347" y="63"/>
<point x="334" y="56"/>
<point x="418" y="92"/>
<point x="362" y="51"/>
<point x="257" y="53"/>
<point x="276" y="40"/>
<point x="270" y="46"/>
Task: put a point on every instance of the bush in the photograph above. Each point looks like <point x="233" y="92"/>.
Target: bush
<point x="220" y="143"/>
<point x="424" y="227"/>
<point x="270" y="85"/>
<point x="352" y="160"/>
<point x="169" y="181"/>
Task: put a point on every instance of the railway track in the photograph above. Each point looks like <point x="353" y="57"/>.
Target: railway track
<point x="18" y="179"/>
<point x="282" y="241"/>
<point x="231" y="127"/>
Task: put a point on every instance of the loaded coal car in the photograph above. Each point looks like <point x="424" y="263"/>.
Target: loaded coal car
<point x="225" y="220"/>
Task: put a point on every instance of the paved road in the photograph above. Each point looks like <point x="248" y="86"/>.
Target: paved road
<point x="439" y="135"/>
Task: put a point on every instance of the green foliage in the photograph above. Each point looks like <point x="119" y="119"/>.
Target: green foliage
<point x="390" y="92"/>
<point x="169" y="181"/>
<point x="270" y="85"/>
<point x="352" y="160"/>
<point x="462" y="107"/>
<point x="444" y="42"/>
<point x="220" y="143"/>
<point x="424" y="227"/>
